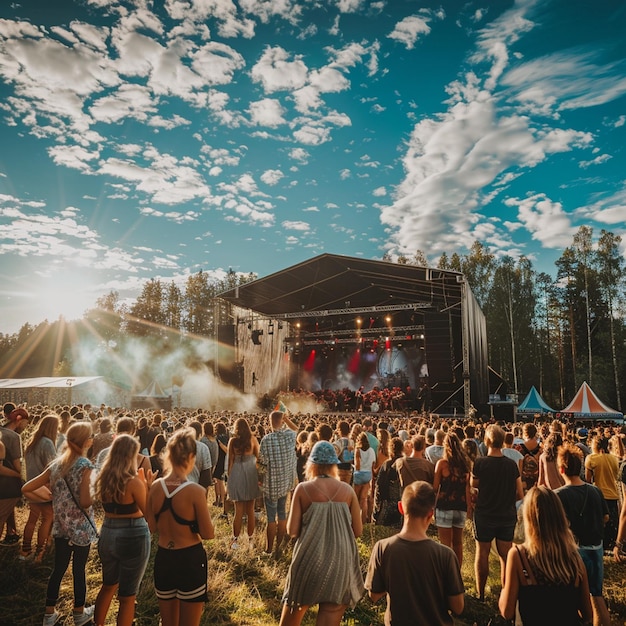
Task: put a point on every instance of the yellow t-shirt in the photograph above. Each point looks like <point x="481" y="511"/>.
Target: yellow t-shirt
<point x="605" y="468"/>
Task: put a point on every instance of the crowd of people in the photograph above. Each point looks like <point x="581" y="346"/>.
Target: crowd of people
<point x="548" y="495"/>
<point x="378" y="399"/>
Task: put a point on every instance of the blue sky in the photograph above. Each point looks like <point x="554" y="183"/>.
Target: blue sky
<point x="147" y="139"/>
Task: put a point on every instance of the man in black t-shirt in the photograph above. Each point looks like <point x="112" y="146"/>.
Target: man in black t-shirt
<point x="587" y="513"/>
<point x="499" y="485"/>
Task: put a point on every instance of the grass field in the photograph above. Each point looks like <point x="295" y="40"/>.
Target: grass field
<point x="245" y="586"/>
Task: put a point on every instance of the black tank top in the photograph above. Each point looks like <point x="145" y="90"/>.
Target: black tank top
<point x="115" y="508"/>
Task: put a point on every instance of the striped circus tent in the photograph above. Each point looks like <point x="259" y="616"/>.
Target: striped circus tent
<point x="587" y="405"/>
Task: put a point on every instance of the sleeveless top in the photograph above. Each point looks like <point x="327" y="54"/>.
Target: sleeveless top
<point x="544" y="604"/>
<point x="325" y="564"/>
<point x="452" y="493"/>
<point x="115" y="508"/>
<point x="167" y="506"/>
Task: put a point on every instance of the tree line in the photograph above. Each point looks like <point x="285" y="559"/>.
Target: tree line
<point x="551" y="332"/>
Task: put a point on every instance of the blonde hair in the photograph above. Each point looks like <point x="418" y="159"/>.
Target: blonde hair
<point x="550" y="545"/>
<point x="77" y="435"/>
<point x="494" y="436"/>
<point x="181" y="445"/>
<point x="119" y="467"/>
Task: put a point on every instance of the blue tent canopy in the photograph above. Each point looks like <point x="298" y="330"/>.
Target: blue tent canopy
<point x="534" y="403"/>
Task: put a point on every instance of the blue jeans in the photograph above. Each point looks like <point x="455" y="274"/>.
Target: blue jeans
<point x="124" y="548"/>
<point x="593" y="559"/>
<point x="274" y="508"/>
<point x="63" y="552"/>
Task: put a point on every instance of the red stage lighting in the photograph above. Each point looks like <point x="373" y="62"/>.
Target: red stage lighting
<point x="310" y="361"/>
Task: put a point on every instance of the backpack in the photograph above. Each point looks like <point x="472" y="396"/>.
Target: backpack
<point x="345" y="455"/>
<point x="530" y="465"/>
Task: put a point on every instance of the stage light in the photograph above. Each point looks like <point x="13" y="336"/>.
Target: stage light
<point x="255" y="337"/>
<point x="359" y="321"/>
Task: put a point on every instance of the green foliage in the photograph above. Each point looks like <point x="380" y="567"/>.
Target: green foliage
<point x="551" y="333"/>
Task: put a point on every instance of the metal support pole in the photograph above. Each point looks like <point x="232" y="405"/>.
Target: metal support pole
<point x="465" y="347"/>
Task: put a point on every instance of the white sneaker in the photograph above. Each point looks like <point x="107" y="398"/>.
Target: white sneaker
<point x="50" y="619"/>
<point x="80" y="619"/>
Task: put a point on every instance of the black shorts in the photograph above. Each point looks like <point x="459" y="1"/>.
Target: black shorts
<point x="181" y="574"/>
<point x="487" y="529"/>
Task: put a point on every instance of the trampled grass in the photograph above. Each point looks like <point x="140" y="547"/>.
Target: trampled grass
<point x="245" y="585"/>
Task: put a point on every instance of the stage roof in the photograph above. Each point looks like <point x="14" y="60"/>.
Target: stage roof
<point x="47" y="382"/>
<point x="331" y="282"/>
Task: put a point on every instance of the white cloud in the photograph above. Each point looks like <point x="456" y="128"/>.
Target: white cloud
<point x="216" y="63"/>
<point x="165" y="179"/>
<point x="10" y="29"/>
<point x="128" y="101"/>
<point x="308" y="32"/>
<point x="267" y="112"/>
<point x="299" y="154"/>
<point x="267" y="9"/>
<point x="272" y="177"/>
<point x="453" y="158"/>
<point x="276" y="72"/>
<point x="306" y="99"/>
<point x="91" y="35"/>
<point x="409" y="29"/>
<point x="609" y="210"/>
<point x="296" y="225"/>
<point x="564" y="81"/>
<point x="495" y="38"/>
<point x="328" y="80"/>
<point x="74" y="157"/>
<point x="449" y="163"/>
<point x="349" y="6"/>
<point x="173" y="216"/>
<point x="602" y="158"/>
<point x="60" y="237"/>
<point x="312" y="134"/>
<point x="379" y="192"/>
<point x="545" y="220"/>
<point x="195" y="13"/>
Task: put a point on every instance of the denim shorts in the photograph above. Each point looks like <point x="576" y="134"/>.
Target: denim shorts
<point x="594" y="564"/>
<point x="361" y="477"/>
<point x="450" y="519"/>
<point x="274" y="508"/>
<point x="124" y="548"/>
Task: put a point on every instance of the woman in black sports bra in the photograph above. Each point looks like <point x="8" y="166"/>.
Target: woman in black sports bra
<point x="177" y="510"/>
<point x="124" y="545"/>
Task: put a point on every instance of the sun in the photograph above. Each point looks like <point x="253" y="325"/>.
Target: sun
<point x="62" y="292"/>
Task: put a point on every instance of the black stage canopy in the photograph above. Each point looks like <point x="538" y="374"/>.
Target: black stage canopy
<point x="330" y="282"/>
<point x="321" y="298"/>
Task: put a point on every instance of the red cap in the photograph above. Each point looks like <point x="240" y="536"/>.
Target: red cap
<point x="17" y="414"/>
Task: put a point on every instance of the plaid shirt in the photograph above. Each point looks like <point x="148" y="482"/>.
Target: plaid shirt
<point x="278" y="456"/>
